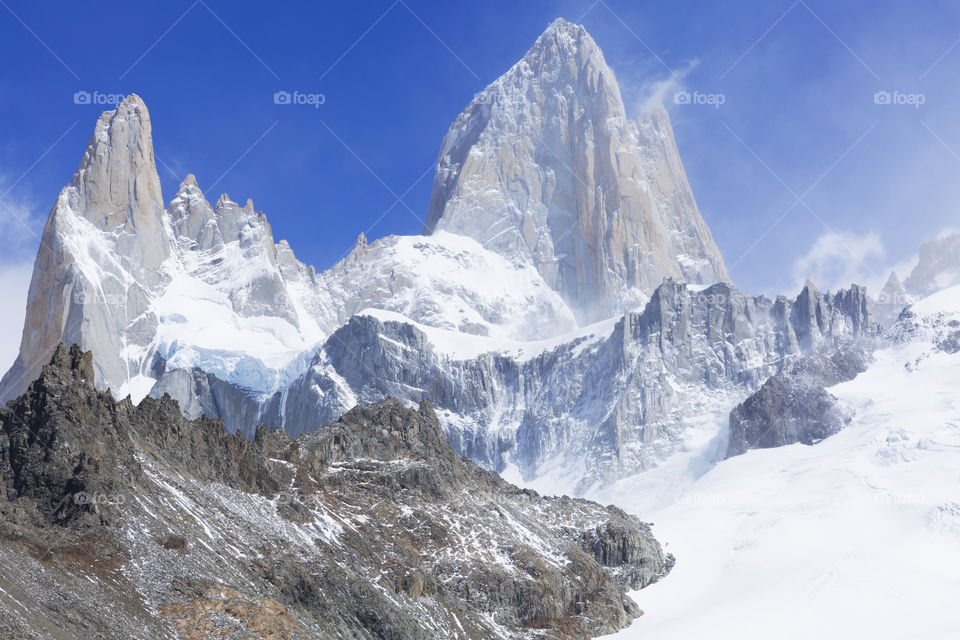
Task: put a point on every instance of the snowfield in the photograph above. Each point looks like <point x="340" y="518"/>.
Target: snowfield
<point x="855" y="537"/>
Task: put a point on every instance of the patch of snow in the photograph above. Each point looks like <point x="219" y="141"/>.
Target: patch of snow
<point x="137" y="387"/>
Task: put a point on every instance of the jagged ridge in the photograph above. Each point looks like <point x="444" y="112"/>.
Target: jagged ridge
<point x="134" y="522"/>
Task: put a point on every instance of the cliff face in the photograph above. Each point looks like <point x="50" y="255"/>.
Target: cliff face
<point x="134" y="522"/>
<point x="545" y="167"/>
<point x="607" y="402"/>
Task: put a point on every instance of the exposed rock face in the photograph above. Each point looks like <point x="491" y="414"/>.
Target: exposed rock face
<point x="117" y="187"/>
<point x="203" y="394"/>
<point x="545" y="167"/>
<point x="134" y="522"/>
<point x="612" y="401"/>
<point x="794" y="405"/>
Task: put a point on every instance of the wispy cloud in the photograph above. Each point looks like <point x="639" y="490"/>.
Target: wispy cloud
<point x="14" y="283"/>
<point x="657" y="93"/>
<point x="20" y="227"/>
<point x="837" y="260"/>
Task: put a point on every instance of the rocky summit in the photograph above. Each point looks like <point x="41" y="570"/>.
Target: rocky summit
<point x="545" y="167"/>
<point x="123" y="521"/>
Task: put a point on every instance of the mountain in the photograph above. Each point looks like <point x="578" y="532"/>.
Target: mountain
<point x="937" y="268"/>
<point x="201" y="285"/>
<point x="112" y="208"/>
<point x="891" y="300"/>
<point x="794" y="405"/>
<point x="123" y="521"/>
<point x="545" y="167"/>
<point x="197" y="300"/>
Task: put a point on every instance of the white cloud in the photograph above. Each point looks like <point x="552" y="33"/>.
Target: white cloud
<point x="20" y="229"/>
<point x="661" y="92"/>
<point x="14" y="283"/>
<point x="838" y="260"/>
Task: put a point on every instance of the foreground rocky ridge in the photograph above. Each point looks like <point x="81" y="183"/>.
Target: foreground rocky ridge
<point x="132" y="522"/>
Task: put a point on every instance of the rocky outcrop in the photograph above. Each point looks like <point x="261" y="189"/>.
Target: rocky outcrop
<point x="133" y="522"/>
<point x="203" y="394"/>
<point x="794" y="405"/>
<point x="64" y="442"/>
<point x="607" y="402"/>
<point x="545" y="167"/>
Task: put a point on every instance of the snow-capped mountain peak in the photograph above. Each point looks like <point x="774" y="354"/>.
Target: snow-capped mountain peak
<point x="201" y="286"/>
<point x="545" y="167"/>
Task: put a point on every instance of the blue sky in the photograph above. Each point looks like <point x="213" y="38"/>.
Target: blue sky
<point x="798" y="170"/>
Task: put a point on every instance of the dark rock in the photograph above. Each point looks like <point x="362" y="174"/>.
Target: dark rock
<point x="794" y="405"/>
<point x="370" y="527"/>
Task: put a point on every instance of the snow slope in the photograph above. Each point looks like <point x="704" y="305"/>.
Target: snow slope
<point x="856" y="537"/>
<point x="463" y="346"/>
<point x="449" y="282"/>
